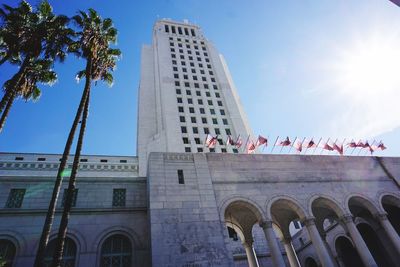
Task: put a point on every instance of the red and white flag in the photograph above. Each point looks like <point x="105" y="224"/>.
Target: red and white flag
<point x="381" y="146"/>
<point x="211" y="141"/>
<point x="311" y="144"/>
<point x="360" y="144"/>
<point x="261" y="141"/>
<point x="326" y="146"/>
<point x="285" y="142"/>
<point x="338" y="148"/>
<point x="352" y="144"/>
<point x="229" y="141"/>
<point x="239" y="142"/>
<point x="251" y="147"/>
<point x="298" y="146"/>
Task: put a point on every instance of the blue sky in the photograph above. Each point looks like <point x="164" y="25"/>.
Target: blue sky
<point x="302" y="68"/>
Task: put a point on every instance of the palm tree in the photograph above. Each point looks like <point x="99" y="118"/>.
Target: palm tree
<point x="27" y="38"/>
<point x="95" y="37"/>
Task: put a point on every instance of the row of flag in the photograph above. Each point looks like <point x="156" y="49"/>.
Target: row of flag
<point x="250" y="146"/>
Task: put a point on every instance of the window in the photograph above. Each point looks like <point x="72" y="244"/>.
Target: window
<point x="195" y="78"/>
<point x="181" y="118"/>
<point x="217" y="95"/>
<point x="200" y="102"/>
<point x="69" y="253"/>
<point x="228" y="131"/>
<point x="206" y="130"/>
<point x="235" y="150"/>
<point x="7" y="252"/>
<point x="185" y="77"/>
<point x="183" y="63"/>
<point x="193" y="70"/>
<point x="189" y="52"/>
<point x="195" y="130"/>
<point x="119" y="197"/>
<point x="213" y="80"/>
<point x="177" y="83"/>
<point x="190" y="58"/>
<point x="190" y="101"/>
<point x="215" y="86"/>
<point x="208" y="66"/>
<point x="187" y="84"/>
<point x="179" y="99"/>
<point x="180" y="50"/>
<point x="225" y="121"/>
<point x="175" y="68"/>
<point x="180" y="30"/>
<point x="116" y="251"/>
<point x="217" y="131"/>
<point x="198" y="93"/>
<point x="184" y="70"/>
<point x="103" y="160"/>
<point x="183" y="129"/>
<point x="199" y="59"/>
<point x="188" y="92"/>
<point x="41" y="159"/>
<point x="173" y="62"/>
<point x="83" y="160"/>
<point x="191" y="64"/>
<point x="197" y="140"/>
<point x="172" y="49"/>
<point x="182" y="57"/>
<point x="204" y="49"/>
<point x="191" y="110"/>
<point x="212" y="111"/>
<point x="204" y="120"/>
<point x="193" y="119"/>
<point x="210" y="102"/>
<point x="181" y="178"/>
<point x="204" y="79"/>
<point x="202" y="111"/>
<point x="196" y="85"/>
<point x="188" y="150"/>
<point x="178" y="39"/>
<point x="212" y="150"/>
<point x="205" y="86"/>
<point x="74" y="197"/>
<point x="199" y="149"/>
<point x="207" y="60"/>
<point x="166" y="28"/>
<point x="185" y="140"/>
<point x="205" y="54"/>
<point x="223" y="150"/>
<point x="171" y="44"/>
<point x="15" y="198"/>
<point x="180" y="109"/>
<point x="178" y="91"/>
<point x="222" y="111"/>
<point x="186" y="32"/>
<point x="220" y="142"/>
<point x="188" y="46"/>
<point x="211" y="73"/>
<point x="123" y="161"/>
<point x="219" y="103"/>
<point x="19" y="158"/>
<point x="173" y="29"/>
<point x="208" y="94"/>
<point x="173" y="55"/>
<point x="215" y="121"/>
<point x="202" y="71"/>
<point x="196" y="47"/>
<point x="200" y="65"/>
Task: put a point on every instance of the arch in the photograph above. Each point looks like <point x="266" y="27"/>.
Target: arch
<point x="288" y="201"/>
<point x="393" y="198"/>
<point x="346" y="252"/>
<point x="363" y="202"/>
<point x="133" y="236"/>
<point x="8" y="251"/>
<point x="117" y="248"/>
<point x="327" y="202"/>
<point x="310" y="262"/>
<point x="251" y="204"/>
<point x="391" y="205"/>
<point x="17" y="239"/>
<point x="70" y="252"/>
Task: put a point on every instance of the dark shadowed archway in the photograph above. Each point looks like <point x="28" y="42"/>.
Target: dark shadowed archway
<point x="391" y="205"/>
<point x="347" y="253"/>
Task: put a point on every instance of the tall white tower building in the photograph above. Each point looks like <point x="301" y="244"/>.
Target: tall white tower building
<point x="185" y="93"/>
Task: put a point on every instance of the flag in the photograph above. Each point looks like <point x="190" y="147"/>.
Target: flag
<point x="311" y="144"/>
<point x="352" y="144"/>
<point x="239" y="142"/>
<point x="366" y="145"/>
<point x="285" y="142"/>
<point x="251" y="147"/>
<point x="360" y="144"/>
<point x="338" y="148"/>
<point x="261" y="141"/>
<point x="381" y="146"/>
<point x="211" y="141"/>
<point x="229" y="141"/>
<point x="298" y="146"/>
<point x="327" y="147"/>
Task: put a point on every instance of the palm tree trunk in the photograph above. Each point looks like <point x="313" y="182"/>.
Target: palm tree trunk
<point x="62" y="232"/>
<point x="4" y="100"/>
<point x="6" y="110"/>
<point x="57" y="185"/>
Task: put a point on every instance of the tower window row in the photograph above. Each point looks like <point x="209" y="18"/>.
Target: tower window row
<point x="186" y="40"/>
<point x="179" y="30"/>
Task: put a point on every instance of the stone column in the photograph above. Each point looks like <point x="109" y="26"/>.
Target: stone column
<point x="273" y="245"/>
<point x="290" y="253"/>
<point x="317" y="242"/>
<point x="358" y="241"/>
<point x="251" y="254"/>
<point x="391" y="232"/>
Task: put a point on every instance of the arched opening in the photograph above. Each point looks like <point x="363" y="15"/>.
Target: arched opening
<point x="116" y="251"/>
<point x="7" y="252"/>
<point x="310" y="262"/>
<point x="371" y="231"/>
<point x="391" y="205"/>
<point x="374" y="245"/>
<point x="347" y="254"/>
<point x="240" y="217"/>
<point x="69" y="253"/>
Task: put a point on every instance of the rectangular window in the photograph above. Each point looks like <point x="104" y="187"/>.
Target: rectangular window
<point x="202" y="111"/>
<point x="178" y="91"/>
<point x="181" y="118"/>
<point x="193" y="119"/>
<point x="191" y="64"/>
<point x="222" y="111"/>
<point x="180" y="30"/>
<point x="195" y="130"/>
<point x="206" y="131"/>
<point x="188" y="150"/>
<point x="213" y="80"/>
<point x="228" y="131"/>
<point x="185" y="77"/>
<point x="204" y="79"/>
<point x="179" y="45"/>
<point x="173" y="62"/>
<point x="196" y="85"/>
<point x="175" y="68"/>
<point x="205" y="86"/>
<point x="182" y="57"/>
<point x="74" y="197"/>
<point x="199" y="59"/>
<point x="15" y="198"/>
<point x="223" y="150"/>
<point x="185" y="140"/>
<point x="192" y="32"/>
<point x="171" y="44"/>
<point x="172" y="50"/>
<point x="177" y="83"/>
<point x="119" y="197"/>
<point x="195" y="78"/>
<point x="188" y="92"/>
<point x="19" y="158"/>
<point x="166" y="28"/>
<point x="184" y="70"/>
<point x="183" y="129"/>
<point x="179" y="99"/>
<point x="219" y="103"/>
<point x="173" y="55"/>
<point x="208" y="94"/>
<point x="204" y="120"/>
<point x="215" y="121"/>
<point x="186" y="31"/>
<point x="215" y="86"/>
<point x="200" y="149"/>
<point x="210" y="102"/>
<point x="180" y="109"/>
<point x="202" y="71"/>
<point x="200" y="102"/>
<point x="212" y="150"/>
<point x="197" y="141"/>
<point x="187" y="84"/>
<point x="225" y="121"/>
<point x="190" y="101"/>
<point x="191" y="110"/>
<point x="217" y="131"/>
<point x="212" y="111"/>
<point x="173" y="29"/>
<point x="220" y="142"/>
<point x="198" y="93"/>
<point x="181" y="178"/>
<point x="235" y="150"/>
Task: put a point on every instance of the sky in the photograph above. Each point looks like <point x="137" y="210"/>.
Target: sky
<point x="307" y="68"/>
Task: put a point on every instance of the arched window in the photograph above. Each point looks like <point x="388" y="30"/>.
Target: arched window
<point x="7" y="252"/>
<point x="116" y="251"/>
<point x="69" y="253"/>
<point x="310" y="262"/>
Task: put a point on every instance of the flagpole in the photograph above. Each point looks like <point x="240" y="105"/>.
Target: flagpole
<point x="344" y="140"/>
<point x="370" y="148"/>
<point x="322" y="150"/>
<point x="355" y="147"/>
<point x="265" y="145"/>
<point x="274" y="144"/>
<point x="333" y="143"/>
<point x="301" y="145"/>
<point x="344" y="149"/>
<point x="292" y="144"/>
<point x="317" y="146"/>
<point x="366" y="141"/>
<point x="245" y="146"/>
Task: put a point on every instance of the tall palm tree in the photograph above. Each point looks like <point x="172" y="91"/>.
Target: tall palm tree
<point x="95" y="37"/>
<point x="27" y="38"/>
